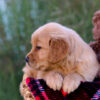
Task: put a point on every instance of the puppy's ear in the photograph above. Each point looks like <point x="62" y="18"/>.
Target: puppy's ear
<point x="58" y="49"/>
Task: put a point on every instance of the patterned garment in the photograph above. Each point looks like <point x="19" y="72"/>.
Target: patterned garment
<point x="86" y="91"/>
<point x="96" y="96"/>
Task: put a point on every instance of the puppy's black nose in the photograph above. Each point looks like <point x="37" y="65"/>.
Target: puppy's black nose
<point x="27" y="59"/>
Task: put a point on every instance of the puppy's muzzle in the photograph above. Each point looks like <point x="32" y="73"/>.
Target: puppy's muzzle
<point x="27" y="59"/>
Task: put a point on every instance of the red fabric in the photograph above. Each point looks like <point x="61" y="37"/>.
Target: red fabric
<point x="86" y="91"/>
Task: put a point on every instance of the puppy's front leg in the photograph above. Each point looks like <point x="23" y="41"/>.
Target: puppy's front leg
<point x="54" y="80"/>
<point x="71" y="82"/>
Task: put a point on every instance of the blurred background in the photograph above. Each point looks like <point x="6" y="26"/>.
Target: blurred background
<point x="19" y="18"/>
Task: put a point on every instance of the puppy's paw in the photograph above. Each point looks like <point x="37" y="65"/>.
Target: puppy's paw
<point x="71" y="83"/>
<point x="54" y="81"/>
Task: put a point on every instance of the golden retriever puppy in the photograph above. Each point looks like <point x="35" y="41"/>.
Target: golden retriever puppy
<point x="60" y="57"/>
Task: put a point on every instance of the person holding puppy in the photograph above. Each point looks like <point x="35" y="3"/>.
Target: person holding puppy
<point x="60" y="57"/>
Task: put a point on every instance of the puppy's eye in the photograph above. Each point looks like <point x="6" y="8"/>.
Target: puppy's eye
<point x="38" y="47"/>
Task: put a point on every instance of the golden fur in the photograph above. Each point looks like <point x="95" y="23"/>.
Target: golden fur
<point x="61" y="58"/>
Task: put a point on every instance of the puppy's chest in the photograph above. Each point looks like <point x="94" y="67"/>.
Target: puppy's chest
<point x="63" y="72"/>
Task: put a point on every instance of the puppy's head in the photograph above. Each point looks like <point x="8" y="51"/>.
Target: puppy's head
<point x="48" y="47"/>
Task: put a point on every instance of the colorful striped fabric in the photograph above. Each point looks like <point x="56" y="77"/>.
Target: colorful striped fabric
<point x="86" y="91"/>
<point x="96" y="96"/>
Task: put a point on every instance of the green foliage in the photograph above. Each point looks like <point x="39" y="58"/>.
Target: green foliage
<point x="21" y="18"/>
